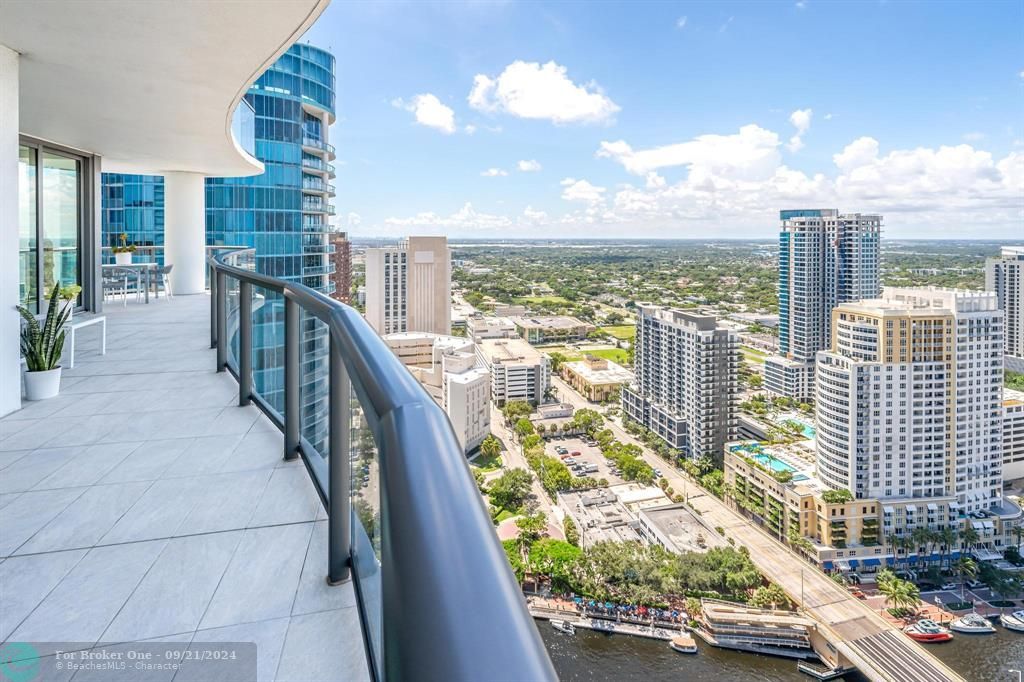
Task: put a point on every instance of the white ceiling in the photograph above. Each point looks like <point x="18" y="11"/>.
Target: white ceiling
<point x="151" y="85"/>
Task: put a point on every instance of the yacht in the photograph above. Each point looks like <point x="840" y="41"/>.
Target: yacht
<point x="927" y="630"/>
<point x="684" y="644"/>
<point x="973" y="624"/>
<point x="1013" y="621"/>
<point x="564" y="626"/>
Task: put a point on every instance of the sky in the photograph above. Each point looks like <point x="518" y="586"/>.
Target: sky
<point x="676" y="120"/>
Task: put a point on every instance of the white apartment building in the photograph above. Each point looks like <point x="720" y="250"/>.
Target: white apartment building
<point x="447" y="366"/>
<point x="909" y="398"/>
<point x="1005" y="276"/>
<point x="480" y="328"/>
<point x="518" y="370"/>
<point x="409" y="287"/>
<point x="1013" y="434"/>
<point x="686" y="381"/>
<point x="825" y="258"/>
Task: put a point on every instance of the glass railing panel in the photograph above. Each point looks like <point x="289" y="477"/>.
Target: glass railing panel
<point x="366" y="536"/>
<point x="268" y="347"/>
<point x="313" y="383"/>
<point x="231" y="287"/>
<point x="243" y="127"/>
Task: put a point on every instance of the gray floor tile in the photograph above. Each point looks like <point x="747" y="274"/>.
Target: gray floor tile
<point x="9" y="427"/>
<point x="267" y="635"/>
<point x="7" y="498"/>
<point x="204" y="455"/>
<point x="82" y="605"/>
<point x="89" y="467"/>
<point x="147" y="462"/>
<point x="314" y="594"/>
<point x="289" y="498"/>
<point x="27" y="471"/>
<point x="33" y="510"/>
<point x="160" y="510"/>
<point x="231" y="511"/>
<point x="10" y="457"/>
<point x="234" y="420"/>
<point x="324" y="646"/>
<point x="87" y="519"/>
<point x="175" y="593"/>
<point x="25" y="581"/>
<point x="256" y="450"/>
<point x="82" y="431"/>
<point x="158" y="647"/>
<point x="268" y="563"/>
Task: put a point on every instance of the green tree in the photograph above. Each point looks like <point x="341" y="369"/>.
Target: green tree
<point x="770" y="595"/>
<point x="588" y="421"/>
<point x="557" y="359"/>
<point x="490" y="447"/>
<point x="515" y="410"/>
<point x="524" y="428"/>
<point x="965" y="567"/>
<point x="556" y="559"/>
<point x="511" y="489"/>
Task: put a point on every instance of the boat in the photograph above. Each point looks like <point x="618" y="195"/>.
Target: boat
<point x="684" y="644"/>
<point x="927" y="630"/>
<point x="563" y="626"/>
<point x="973" y="624"/>
<point x="1013" y="621"/>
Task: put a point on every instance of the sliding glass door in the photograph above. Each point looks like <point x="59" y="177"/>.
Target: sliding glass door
<point x="51" y="219"/>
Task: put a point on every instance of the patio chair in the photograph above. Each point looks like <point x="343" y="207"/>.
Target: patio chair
<point x="161" y="279"/>
<point x="115" y="283"/>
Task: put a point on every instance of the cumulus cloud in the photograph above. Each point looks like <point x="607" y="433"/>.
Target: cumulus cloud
<point x="466" y="218"/>
<point x="353" y="220"/>
<point x="429" y="111"/>
<point x="974" y="136"/>
<point x="541" y="91"/>
<point x="494" y="173"/>
<point x="801" y="120"/>
<point x="681" y="23"/>
<point x="581" y="190"/>
<point x="469" y="129"/>
<point x="528" y="166"/>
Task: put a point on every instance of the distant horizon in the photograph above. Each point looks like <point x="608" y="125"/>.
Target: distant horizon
<point x="605" y="240"/>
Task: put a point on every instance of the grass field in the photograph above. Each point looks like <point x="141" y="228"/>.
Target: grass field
<point x="486" y="464"/>
<point x="753" y="355"/>
<point x="570" y="355"/>
<point x="614" y="354"/>
<point x="626" y="332"/>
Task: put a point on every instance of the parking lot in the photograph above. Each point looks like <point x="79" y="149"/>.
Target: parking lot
<point x="589" y="456"/>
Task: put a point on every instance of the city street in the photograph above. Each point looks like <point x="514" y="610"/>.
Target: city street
<point x="513" y="459"/>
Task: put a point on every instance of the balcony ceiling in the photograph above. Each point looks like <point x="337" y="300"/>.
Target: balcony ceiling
<point x="151" y="86"/>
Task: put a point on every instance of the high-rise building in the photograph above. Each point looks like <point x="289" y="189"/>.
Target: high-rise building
<point x="448" y="367"/>
<point x="909" y="398"/>
<point x="409" y="286"/>
<point x="686" y="385"/>
<point x="1005" y="276"/>
<point x="341" y="259"/>
<point x="1013" y="434"/>
<point x="133" y="205"/>
<point x="824" y="259"/>
<point x="518" y="370"/>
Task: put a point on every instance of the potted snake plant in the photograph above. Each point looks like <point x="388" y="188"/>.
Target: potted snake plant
<point x="42" y="347"/>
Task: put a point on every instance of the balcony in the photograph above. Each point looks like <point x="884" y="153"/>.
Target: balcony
<point x="317" y="206"/>
<point x="314" y="145"/>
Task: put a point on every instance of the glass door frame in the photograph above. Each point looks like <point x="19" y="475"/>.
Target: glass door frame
<point x="88" y="258"/>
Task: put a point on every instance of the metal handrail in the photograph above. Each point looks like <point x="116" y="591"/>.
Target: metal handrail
<point x="451" y="607"/>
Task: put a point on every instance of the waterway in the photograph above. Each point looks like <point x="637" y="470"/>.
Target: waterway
<point x="595" y="657"/>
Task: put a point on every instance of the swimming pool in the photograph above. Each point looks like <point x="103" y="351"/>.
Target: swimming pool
<point x="772" y="463"/>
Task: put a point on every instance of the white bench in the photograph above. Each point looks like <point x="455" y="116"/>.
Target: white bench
<point x="78" y="323"/>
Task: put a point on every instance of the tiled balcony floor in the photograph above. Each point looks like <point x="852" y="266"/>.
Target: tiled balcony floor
<point x="143" y="504"/>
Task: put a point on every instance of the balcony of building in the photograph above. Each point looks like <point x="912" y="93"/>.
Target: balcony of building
<point x="143" y="503"/>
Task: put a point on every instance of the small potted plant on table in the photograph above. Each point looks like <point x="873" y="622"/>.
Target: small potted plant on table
<point x="42" y="347"/>
<point x="123" y="251"/>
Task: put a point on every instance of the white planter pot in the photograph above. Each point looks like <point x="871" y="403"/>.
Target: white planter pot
<point x="123" y="257"/>
<point x="42" y="385"/>
<point x="70" y="307"/>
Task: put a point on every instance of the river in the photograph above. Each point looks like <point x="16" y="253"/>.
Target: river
<point x="594" y="657"/>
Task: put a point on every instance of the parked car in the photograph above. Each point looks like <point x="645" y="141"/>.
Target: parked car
<point x="975" y="584"/>
<point x="576" y="454"/>
<point x="657" y="472"/>
<point x="949" y="586"/>
<point x="569" y="460"/>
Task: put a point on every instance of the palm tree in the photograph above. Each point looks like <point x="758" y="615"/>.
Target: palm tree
<point x="1017" y="533"/>
<point x="965" y="567"/>
<point x="968" y="538"/>
<point x="948" y="537"/>
<point x="920" y="537"/>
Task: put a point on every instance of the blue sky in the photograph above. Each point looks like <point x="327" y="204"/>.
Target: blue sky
<point x="676" y="120"/>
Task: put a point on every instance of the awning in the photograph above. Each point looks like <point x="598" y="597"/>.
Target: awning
<point x="932" y="506"/>
<point x="827" y="565"/>
<point x="872" y="562"/>
<point x="843" y="566"/>
<point x="887" y="510"/>
<point x="854" y="563"/>
<point x="984" y="554"/>
<point x="977" y="525"/>
<point x="911" y="509"/>
<point x="954" y="505"/>
<point x="988" y="524"/>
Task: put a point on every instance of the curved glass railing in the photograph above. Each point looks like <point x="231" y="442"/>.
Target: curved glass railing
<point x="243" y="127"/>
<point x="434" y="589"/>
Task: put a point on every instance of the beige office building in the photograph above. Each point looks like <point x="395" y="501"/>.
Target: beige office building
<point x="409" y="287"/>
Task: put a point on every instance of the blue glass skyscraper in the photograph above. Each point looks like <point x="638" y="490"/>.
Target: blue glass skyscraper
<point x="133" y="205"/>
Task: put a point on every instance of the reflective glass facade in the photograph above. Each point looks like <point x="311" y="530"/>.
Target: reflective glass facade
<point x="133" y="205"/>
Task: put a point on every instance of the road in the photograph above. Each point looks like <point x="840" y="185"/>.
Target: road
<point x="878" y="649"/>
<point x="514" y="459"/>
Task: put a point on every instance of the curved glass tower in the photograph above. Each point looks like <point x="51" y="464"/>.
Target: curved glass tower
<point x="284" y="215"/>
<point x="133" y="205"/>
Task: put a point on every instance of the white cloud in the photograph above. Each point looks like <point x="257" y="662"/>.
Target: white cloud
<point x="974" y="136"/>
<point x="535" y="91"/>
<point x="681" y="23"/>
<point x="752" y="150"/>
<point x="581" y="190"/>
<point x="429" y="111"/>
<point x="466" y="218"/>
<point x="801" y="4"/>
<point x="725" y="26"/>
<point x="353" y="220"/>
<point x="801" y="120"/>
<point x="828" y="117"/>
<point x="469" y="129"/>
<point x="1021" y="74"/>
<point x="529" y="166"/>
<point x="494" y="173"/>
